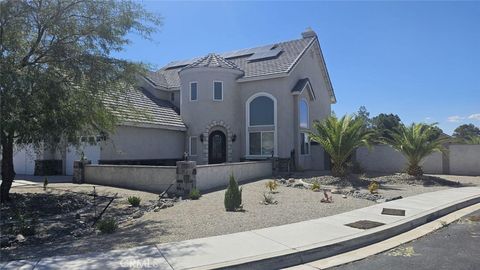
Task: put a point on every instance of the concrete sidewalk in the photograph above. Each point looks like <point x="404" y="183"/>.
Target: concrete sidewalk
<point x="274" y="247"/>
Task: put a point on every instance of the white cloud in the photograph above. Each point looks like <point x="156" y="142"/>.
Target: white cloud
<point x="428" y="118"/>
<point x="455" y="118"/>
<point x="475" y="116"/>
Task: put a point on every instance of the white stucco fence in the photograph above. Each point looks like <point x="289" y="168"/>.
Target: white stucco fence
<point x="218" y="175"/>
<point x="147" y="178"/>
<point x="465" y="159"/>
<point x="459" y="159"/>
<point x="158" y="178"/>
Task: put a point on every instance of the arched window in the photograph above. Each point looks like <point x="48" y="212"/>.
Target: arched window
<point x="261" y="125"/>
<point x="261" y="111"/>
<point x="303" y="113"/>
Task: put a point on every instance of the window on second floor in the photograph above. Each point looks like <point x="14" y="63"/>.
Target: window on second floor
<point x="193" y="91"/>
<point x="217" y="90"/>
<point x="303" y="112"/>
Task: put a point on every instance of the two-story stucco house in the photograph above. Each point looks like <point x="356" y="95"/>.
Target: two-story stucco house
<point x="247" y="104"/>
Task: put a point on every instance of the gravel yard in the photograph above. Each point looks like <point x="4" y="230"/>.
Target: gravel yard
<point x="205" y="217"/>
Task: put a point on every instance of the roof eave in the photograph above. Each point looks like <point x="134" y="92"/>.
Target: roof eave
<point x="151" y="125"/>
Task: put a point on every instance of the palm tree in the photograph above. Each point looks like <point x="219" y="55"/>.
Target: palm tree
<point x="340" y="138"/>
<point x="416" y="142"/>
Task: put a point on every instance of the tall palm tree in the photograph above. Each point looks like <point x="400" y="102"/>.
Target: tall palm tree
<point x="416" y="142"/>
<point x="340" y="138"/>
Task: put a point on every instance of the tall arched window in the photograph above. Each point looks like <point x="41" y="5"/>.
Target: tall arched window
<point x="261" y="125"/>
<point x="303" y="113"/>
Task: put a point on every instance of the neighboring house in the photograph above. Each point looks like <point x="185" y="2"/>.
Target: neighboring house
<point x="248" y="104"/>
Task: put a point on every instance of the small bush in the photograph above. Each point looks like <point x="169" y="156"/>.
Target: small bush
<point x="233" y="196"/>
<point x="25" y="227"/>
<point x="373" y="187"/>
<point x="134" y="201"/>
<point x="194" y="194"/>
<point x="315" y="186"/>
<point x="271" y="185"/>
<point x="45" y="183"/>
<point x="107" y="225"/>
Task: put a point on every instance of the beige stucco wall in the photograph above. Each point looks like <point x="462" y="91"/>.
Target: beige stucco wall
<point x="218" y="175"/>
<point x="146" y="178"/>
<point x="464" y="159"/>
<point x="143" y="143"/>
<point x="383" y="158"/>
<point x="199" y="114"/>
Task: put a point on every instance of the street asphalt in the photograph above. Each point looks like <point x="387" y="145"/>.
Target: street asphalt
<point x="454" y="247"/>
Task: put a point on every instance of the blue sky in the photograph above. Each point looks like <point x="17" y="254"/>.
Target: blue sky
<point x="420" y="60"/>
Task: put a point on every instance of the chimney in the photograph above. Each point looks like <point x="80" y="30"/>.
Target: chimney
<point x="308" y="33"/>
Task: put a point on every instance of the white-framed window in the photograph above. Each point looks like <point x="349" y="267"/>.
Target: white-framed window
<point x="261" y="143"/>
<point x="193" y="146"/>
<point x="261" y="130"/>
<point x="303" y="113"/>
<point x="217" y="90"/>
<point x="193" y="91"/>
<point x="304" y="144"/>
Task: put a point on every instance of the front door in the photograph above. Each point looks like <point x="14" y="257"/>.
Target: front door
<point x="217" y="150"/>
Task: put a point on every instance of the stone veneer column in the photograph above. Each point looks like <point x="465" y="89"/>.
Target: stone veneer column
<point x="186" y="177"/>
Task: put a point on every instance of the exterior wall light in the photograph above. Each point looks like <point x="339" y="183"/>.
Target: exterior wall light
<point x="234" y="137"/>
<point x="201" y="137"/>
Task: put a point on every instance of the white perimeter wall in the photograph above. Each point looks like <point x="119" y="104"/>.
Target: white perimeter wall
<point x="465" y="159"/>
<point x="461" y="159"/>
<point x="218" y="175"/>
<point x="158" y="178"/>
<point x="148" y="178"/>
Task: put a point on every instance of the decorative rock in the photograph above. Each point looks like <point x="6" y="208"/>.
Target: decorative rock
<point x="291" y="180"/>
<point x="336" y="191"/>
<point x="298" y="185"/>
<point x="343" y="196"/>
<point x="381" y="200"/>
<point x="20" y="238"/>
<point x="137" y="214"/>
<point x="77" y="216"/>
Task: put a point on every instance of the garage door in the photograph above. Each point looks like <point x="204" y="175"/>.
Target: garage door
<point x="24" y="160"/>
<point x="91" y="152"/>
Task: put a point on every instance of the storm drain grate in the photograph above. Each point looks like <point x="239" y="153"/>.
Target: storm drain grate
<point x="364" y="224"/>
<point x="393" y="212"/>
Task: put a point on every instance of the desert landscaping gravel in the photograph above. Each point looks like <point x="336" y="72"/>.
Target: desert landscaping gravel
<point x="189" y="219"/>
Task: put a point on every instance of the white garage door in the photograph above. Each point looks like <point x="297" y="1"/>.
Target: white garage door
<point x="24" y="160"/>
<point x="91" y="152"/>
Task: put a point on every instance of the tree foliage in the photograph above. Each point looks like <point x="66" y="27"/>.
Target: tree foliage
<point x="415" y="143"/>
<point x="57" y="69"/>
<point x="383" y="124"/>
<point x="466" y="131"/>
<point x="340" y="138"/>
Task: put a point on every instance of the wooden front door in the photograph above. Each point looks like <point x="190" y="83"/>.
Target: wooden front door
<point x="217" y="147"/>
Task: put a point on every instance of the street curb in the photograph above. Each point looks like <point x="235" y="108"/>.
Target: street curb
<point x="341" y="245"/>
<point x="389" y="243"/>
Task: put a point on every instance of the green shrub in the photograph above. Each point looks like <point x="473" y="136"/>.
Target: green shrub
<point x="271" y="185"/>
<point x="194" y="194"/>
<point x="134" y="201"/>
<point x="233" y="195"/>
<point x="24" y="226"/>
<point x="45" y="183"/>
<point x="315" y="186"/>
<point x="107" y="225"/>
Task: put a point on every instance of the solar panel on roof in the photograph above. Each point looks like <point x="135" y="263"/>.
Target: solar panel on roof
<point x="264" y="55"/>
<point x="244" y="52"/>
<point x="176" y="64"/>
